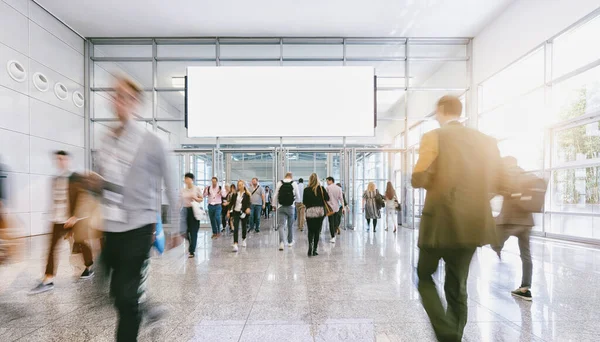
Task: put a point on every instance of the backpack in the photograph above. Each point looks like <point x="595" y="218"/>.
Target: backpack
<point x="532" y="193"/>
<point x="286" y="194"/>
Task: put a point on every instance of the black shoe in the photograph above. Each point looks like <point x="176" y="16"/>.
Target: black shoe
<point x="257" y="230"/>
<point x="314" y="253"/>
<point x="87" y="273"/>
<point x="41" y="288"/>
<point x="191" y="255"/>
<point x="526" y="295"/>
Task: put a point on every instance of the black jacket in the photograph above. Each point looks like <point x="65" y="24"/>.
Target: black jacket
<point x="245" y="202"/>
<point x="309" y="199"/>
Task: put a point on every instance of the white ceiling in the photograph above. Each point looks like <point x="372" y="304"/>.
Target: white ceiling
<point x="335" y="18"/>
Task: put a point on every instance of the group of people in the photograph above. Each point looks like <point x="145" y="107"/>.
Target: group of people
<point x="460" y="168"/>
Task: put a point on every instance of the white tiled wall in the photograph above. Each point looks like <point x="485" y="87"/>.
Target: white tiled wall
<point x="34" y="123"/>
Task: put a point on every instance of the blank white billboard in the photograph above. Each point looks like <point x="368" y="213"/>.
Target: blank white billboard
<point x="280" y="101"/>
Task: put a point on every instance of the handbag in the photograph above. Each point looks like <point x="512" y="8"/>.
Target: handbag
<point x="379" y="201"/>
<point x="328" y="210"/>
<point x="199" y="212"/>
<point x="159" y="236"/>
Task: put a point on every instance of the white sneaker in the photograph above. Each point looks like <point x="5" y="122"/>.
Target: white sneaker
<point x="291" y="244"/>
<point x="244" y="243"/>
<point x="281" y="246"/>
<point x="332" y="240"/>
<point x="235" y="247"/>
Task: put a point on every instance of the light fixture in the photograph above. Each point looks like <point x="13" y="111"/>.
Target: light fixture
<point x="16" y="71"/>
<point x="61" y="91"/>
<point x="78" y="99"/>
<point x="40" y="82"/>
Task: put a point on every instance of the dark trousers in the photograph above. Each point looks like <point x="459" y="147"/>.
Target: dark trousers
<point x="267" y="210"/>
<point x="314" y="232"/>
<point x="374" y="223"/>
<point x="523" y="233"/>
<point x="193" y="226"/>
<point x="334" y="222"/>
<point x="236" y="224"/>
<point x="58" y="232"/>
<point x="447" y="324"/>
<point x="224" y="216"/>
<point x="125" y="254"/>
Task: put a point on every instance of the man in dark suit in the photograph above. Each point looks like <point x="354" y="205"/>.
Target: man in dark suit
<point x="514" y="221"/>
<point x="459" y="167"/>
<point x="70" y="215"/>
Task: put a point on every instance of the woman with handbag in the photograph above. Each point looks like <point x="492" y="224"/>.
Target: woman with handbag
<point x="191" y="193"/>
<point x="391" y="202"/>
<point x="315" y="200"/>
<point x="231" y="190"/>
<point x="239" y="209"/>
<point x="372" y="204"/>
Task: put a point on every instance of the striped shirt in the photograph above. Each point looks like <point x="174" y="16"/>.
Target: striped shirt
<point x="60" y="199"/>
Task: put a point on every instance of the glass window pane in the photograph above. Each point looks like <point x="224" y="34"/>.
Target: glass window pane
<point x="576" y="48"/>
<point x="191" y="51"/>
<point x="250" y="63"/>
<point x="249" y="51"/>
<point x="171" y="74"/>
<point x="171" y="105"/>
<point x="516" y="80"/>
<point x="577" y="96"/>
<point x="106" y="72"/>
<point x="386" y="99"/>
<point x="528" y="149"/>
<point x="103" y="105"/>
<point x="576" y="190"/>
<point x="315" y="51"/>
<point x="579" y="143"/>
<point x="313" y="63"/>
<point x="426" y="50"/>
<point x="122" y="50"/>
<point x="573" y="225"/>
<point x="521" y="117"/>
<point x="374" y="50"/>
<point x="438" y="74"/>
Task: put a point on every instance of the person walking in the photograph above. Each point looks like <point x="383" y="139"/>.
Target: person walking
<point x="514" y="221"/>
<point x="230" y="190"/>
<point x="239" y="209"/>
<point x="315" y="199"/>
<point x="215" y="194"/>
<point x="300" y="208"/>
<point x="286" y="195"/>
<point x="133" y="164"/>
<point x="70" y="215"/>
<point x="191" y="193"/>
<point x="257" y="199"/>
<point x="391" y="201"/>
<point x="371" y="207"/>
<point x="336" y="202"/>
<point x="459" y="167"/>
<point x="269" y="202"/>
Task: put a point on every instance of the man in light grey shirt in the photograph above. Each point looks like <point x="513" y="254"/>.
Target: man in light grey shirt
<point x="336" y="202"/>
<point x="257" y="204"/>
<point x="133" y="164"/>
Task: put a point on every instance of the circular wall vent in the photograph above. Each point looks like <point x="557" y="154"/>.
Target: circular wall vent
<point x="40" y="81"/>
<point x="61" y="91"/>
<point x="78" y="99"/>
<point x="16" y="70"/>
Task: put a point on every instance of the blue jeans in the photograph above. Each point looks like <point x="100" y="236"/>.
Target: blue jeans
<point x="255" y="216"/>
<point x="286" y="216"/>
<point x="214" y="213"/>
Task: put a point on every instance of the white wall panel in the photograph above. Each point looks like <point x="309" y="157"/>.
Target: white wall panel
<point x="22" y="222"/>
<point x="55" y="54"/>
<point x="7" y="54"/>
<point x="18" y="192"/>
<point x="14" y="111"/>
<point x="56" y="124"/>
<point x="20" y="5"/>
<point x="48" y="22"/>
<point x="40" y="224"/>
<point x="42" y="156"/>
<point x="15" y="28"/>
<point x="14" y="149"/>
<point x="41" y="193"/>
<point x="49" y="96"/>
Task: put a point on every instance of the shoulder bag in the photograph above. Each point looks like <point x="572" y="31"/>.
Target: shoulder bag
<point x="328" y="210"/>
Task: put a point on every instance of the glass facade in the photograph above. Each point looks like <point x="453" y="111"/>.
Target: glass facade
<point x="544" y="109"/>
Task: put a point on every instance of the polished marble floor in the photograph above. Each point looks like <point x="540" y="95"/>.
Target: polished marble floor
<point x="360" y="289"/>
